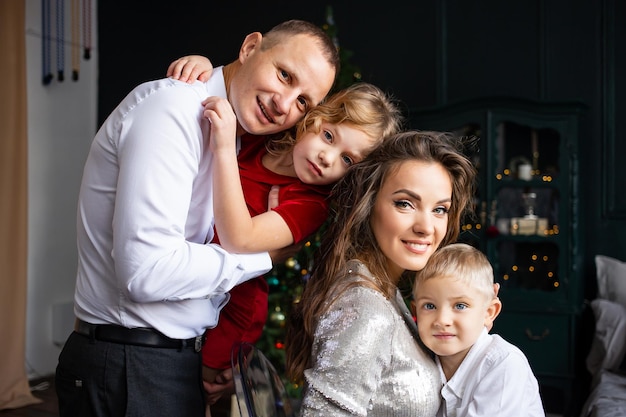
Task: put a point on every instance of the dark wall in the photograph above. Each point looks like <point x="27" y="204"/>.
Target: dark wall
<point x="425" y="53"/>
<point x="138" y="39"/>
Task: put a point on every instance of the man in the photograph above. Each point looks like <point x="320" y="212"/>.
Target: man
<point x="148" y="284"/>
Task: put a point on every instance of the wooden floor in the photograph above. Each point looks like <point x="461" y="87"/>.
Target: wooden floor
<point x="44" y="390"/>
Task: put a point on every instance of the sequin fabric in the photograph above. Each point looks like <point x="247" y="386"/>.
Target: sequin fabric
<point x="365" y="360"/>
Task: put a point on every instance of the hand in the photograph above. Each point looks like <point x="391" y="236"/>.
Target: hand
<point x="282" y="254"/>
<point x="190" y="68"/>
<point x="223" y="123"/>
<point x="272" y="198"/>
<point x="223" y="385"/>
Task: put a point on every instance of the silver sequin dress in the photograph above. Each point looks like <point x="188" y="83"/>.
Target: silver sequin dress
<point x="366" y="361"/>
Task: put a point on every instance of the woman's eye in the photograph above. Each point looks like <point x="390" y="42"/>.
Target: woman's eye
<point x="441" y="210"/>
<point x="402" y="204"/>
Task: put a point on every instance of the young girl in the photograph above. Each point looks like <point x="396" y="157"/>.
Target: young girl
<point x="351" y="337"/>
<point x="331" y="138"/>
<point x="304" y="164"/>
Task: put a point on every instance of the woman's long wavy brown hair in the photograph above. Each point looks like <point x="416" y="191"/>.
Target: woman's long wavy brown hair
<point x="349" y="235"/>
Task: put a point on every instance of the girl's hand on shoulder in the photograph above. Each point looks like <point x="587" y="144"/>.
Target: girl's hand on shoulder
<point x="190" y="68"/>
<point x="223" y="121"/>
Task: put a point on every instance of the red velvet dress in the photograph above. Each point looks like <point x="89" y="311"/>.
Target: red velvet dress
<point x="303" y="207"/>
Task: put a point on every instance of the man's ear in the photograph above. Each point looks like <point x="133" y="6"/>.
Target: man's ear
<point x="250" y="43"/>
<point x="493" y="309"/>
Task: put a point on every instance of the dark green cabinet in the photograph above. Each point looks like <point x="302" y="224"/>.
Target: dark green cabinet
<point x="526" y="220"/>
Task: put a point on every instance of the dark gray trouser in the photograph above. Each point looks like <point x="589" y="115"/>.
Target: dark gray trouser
<point x="102" y="379"/>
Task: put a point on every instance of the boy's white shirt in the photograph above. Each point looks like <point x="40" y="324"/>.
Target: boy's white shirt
<point x="494" y="379"/>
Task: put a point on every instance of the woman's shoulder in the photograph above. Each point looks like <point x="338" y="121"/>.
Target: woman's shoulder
<point x="357" y="288"/>
<point x="355" y="270"/>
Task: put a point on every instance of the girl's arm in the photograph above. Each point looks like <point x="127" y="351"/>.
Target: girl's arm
<point x="190" y="68"/>
<point x="237" y="229"/>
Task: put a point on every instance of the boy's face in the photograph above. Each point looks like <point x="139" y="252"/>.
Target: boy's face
<point x="450" y="316"/>
<point x="323" y="158"/>
<point x="273" y="88"/>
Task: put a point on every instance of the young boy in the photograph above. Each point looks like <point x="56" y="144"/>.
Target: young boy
<point x="482" y="374"/>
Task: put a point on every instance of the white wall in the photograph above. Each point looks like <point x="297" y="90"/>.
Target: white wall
<point x="62" y="120"/>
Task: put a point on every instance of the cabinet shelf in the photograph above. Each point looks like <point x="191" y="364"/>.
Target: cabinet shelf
<point x="534" y="183"/>
<point x="525" y="238"/>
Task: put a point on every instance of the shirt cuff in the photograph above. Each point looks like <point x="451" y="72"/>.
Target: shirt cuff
<point x="254" y="264"/>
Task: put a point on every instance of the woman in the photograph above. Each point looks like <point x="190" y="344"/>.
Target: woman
<point x="351" y="337"/>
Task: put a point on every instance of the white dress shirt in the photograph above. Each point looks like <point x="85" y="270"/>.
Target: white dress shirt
<point x="145" y="215"/>
<point x="494" y="379"/>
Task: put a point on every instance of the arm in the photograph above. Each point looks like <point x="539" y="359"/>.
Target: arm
<point x="161" y="172"/>
<point x="190" y="68"/>
<point x="238" y="230"/>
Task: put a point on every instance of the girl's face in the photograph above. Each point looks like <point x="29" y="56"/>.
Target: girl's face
<point x="410" y="215"/>
<point x="323" y="158"/>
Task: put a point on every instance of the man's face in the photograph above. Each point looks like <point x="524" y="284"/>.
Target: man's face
<point x="275" y="87"/>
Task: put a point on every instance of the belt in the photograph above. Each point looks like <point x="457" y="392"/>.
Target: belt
<point x="139" y="336"/>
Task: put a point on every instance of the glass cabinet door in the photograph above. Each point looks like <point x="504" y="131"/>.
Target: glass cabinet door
<point x="525" y="207"/>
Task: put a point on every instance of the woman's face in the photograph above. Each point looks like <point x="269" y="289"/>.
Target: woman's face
<point x="410" y="215"/>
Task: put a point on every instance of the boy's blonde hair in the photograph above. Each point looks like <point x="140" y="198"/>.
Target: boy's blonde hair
<point x="363" y="105"/>
<point x="462" y="262"/>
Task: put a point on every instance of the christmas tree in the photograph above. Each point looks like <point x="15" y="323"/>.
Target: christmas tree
<point x="286" y="280"/>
